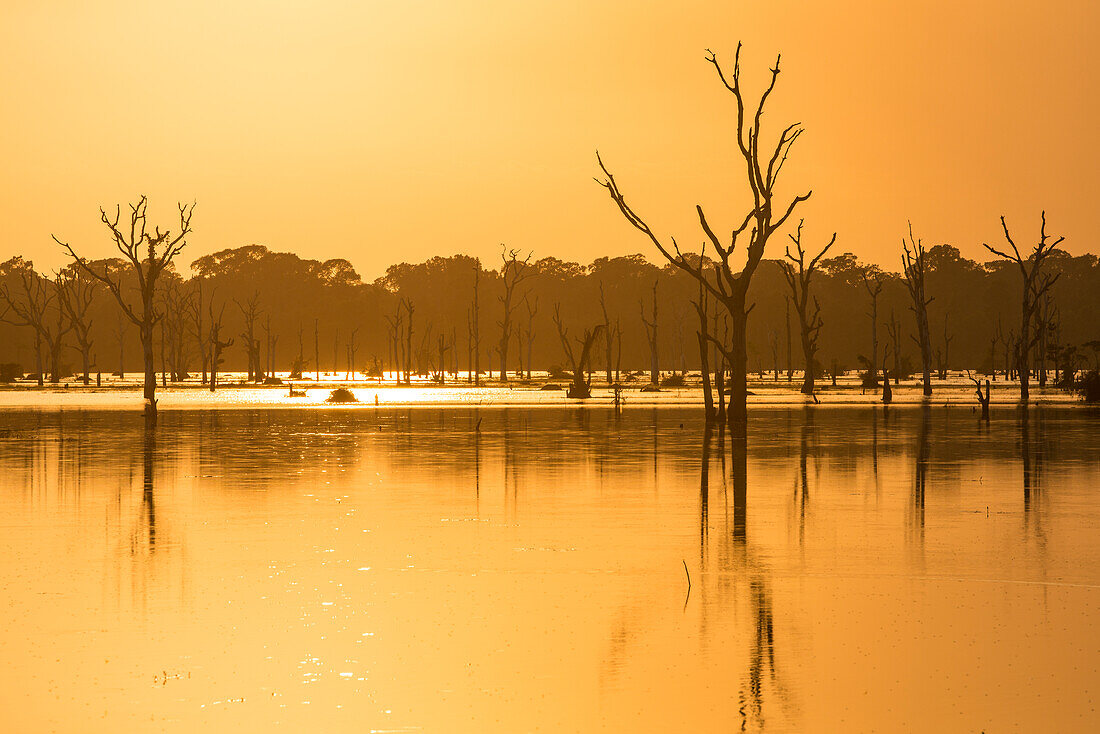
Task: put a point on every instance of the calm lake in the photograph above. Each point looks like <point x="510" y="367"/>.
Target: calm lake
<point x="513" y="569"/>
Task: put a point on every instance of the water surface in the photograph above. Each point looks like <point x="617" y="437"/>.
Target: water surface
<point x="549" y="569"/>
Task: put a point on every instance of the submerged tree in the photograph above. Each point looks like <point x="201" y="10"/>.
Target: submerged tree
<point x="913" y="269"/>
<point x="810" y="323"/>
<point x="581" y="385"/>
<point x="1035" y="284"/>
<point x="872" y="282"/>
<point x="513" y="271"/>
<point x="652" y="339"/>
<point x="149" y="255"/>
<point x="763" y="165"/>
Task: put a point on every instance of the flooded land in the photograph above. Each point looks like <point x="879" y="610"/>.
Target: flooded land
<point x="516" y="568"/>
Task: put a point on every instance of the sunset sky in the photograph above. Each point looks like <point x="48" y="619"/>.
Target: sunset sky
<point x="388" y="131"/>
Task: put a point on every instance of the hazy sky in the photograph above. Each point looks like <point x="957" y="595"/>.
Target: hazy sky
<point x="389" y="131"/>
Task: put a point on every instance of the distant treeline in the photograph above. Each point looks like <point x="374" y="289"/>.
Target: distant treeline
<point x="301" y="309"/>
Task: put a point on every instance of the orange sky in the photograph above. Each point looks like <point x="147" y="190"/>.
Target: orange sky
<point x="386" y="131"/>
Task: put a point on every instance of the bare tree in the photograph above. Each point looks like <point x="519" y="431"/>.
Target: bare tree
<point x="513" y="271"/>
<point x="943" y="356"/>
<point x="983" y="400"/>
<point x="581" y="386"/>
<point x="912" y="260"/>
<point x="1035" y="284"/>
<point x="149" y="254"/>
<point x="762" y="166"/>
<point x="217" y="345"/>
<point x="893" y="328"/>
<point x="799" y="281"/>
<point x="475" y="325"/>
<point x="409" y="310"/>
<point x="872" y="282"/>
<point x="250" y="311"/>
<point x="608" y="335"/>
<point x="76" y="292"/>
<point x="197" y="306"/>
<point x="652" y="339"/>
<point x="701" y="309"/>
<point x="532" y="311"/>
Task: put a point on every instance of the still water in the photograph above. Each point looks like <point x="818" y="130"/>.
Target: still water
<point x="549" y="569"/>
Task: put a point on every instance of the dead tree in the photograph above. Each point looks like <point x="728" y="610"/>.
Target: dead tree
<point x="217" y="345"/>
<point x="887" y="391"/>
<point x="702" y="334"/>
<point x="893" y="328"/>
<point x="912" y="260"/>
<point x="608" y="336"/>
<point x="532" y="311"/>
<point x="773" y="337"/>
<point x="790" y="356"/>
<point x="994" y="339"/>
<point x="317" y="348"/>
<point x="442" y="348"/>
<point x="943" y="356"/>
<point x="174" y="328"/>
<point x="409" y="310"/>
<point x="196" y="312"/>
<point x="799" y="281"/>
<point x="149" y="254"/>
<point x="983" y="400"/>
<point x="1036" y="284"/>
<point x="513" y="271"/>
<point x="250" y="311"/>
<point x="873" y="285"/>
<point x="763" y="164"/>
<point x="652" y="339"/>
<point x="352" y="349"/>
<point x="270" y="341"/>
<point x="1046" y="316"/>
<point x="475" y="325"/>
<point x="581" y="386"/>
<point x="76" y="293"/>
<point x="120" y="336"/>
<point x="394" y="328"/>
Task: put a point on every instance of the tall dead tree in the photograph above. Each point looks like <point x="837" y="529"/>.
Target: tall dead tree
<point x="652" y="339"/>
<point x="608" y="336"/>
<point x="76" y="292"/>
<point x="912" y="261"/>
<point x="790" y="354"/>
<point x="762" y="164"/>
<point x="198" y="306"/>
<point x="120" y="337"/>
<point x="250" y="311"/>
<point x="872" y="282"/>
<point x="409" y="310"/>
<point x="317" y="348"/>
<point x="217" y="344"/>
<point x="810" y="323"/>
<point x="148" y="254"/>
<point x="1036" y="284"/>
<point x="513" y="271"/>
<point x="893" y="328"/>
<point x="270" y="341"/>
<point x="475" y="325"/>
<point x="529" y="328"/>
<point x="702" y="334"/>
<point x="943" y="356"/>
<point x="581" y="386"/>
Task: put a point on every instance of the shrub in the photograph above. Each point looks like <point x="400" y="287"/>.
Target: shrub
<point x="341" y="395"/>
<point x="1088" y="386"/>
<point x="676" y="379"/>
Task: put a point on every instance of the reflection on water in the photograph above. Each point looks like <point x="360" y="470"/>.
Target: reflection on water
<point x="433" y="569"/>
